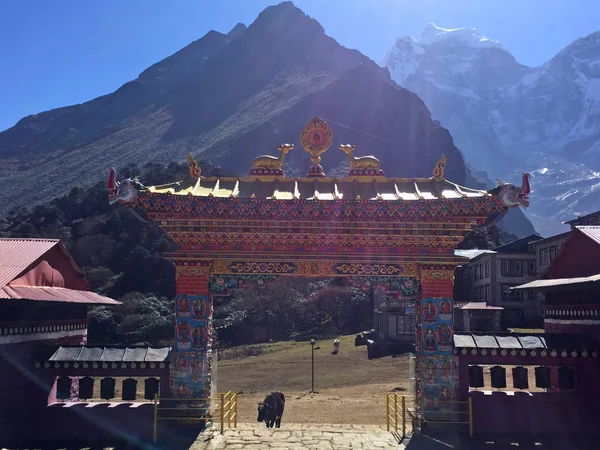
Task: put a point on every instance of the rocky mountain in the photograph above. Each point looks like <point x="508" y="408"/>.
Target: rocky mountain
<point x="506" y="117"/>
<point x="228" y="98"/>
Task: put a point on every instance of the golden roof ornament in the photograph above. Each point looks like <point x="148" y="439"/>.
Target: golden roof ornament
<point x="270" y="166"/>
<point x="195" y="170"/>
<point x="316" y="138"/>
<point x="272" y="162"/>
<point x="361" y="162"/>
<point x="438" y="170"/>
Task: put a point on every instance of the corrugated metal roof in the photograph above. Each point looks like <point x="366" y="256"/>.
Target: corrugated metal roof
<point x="481" y="305"/>
<point x="16" y="255"/>
<point x="593" y="232"/>
<point x="541" y="284"/>
<point x="111" y="354"/>
<point x="552" y="341"/>
<point x="514" y="341"/>
<point x="55" y="294"/>
<point x="320" y="189"/>
<point x="471" y="253"/>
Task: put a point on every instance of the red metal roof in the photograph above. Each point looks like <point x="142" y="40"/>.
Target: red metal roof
<point x="55" y="294"/>
<point x="16" y="255"/>
<point x="593" y="232"/>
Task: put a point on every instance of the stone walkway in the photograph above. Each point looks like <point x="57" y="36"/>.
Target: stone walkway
<point x="299" y="436"/>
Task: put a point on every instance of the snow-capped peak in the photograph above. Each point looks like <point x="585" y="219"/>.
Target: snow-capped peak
<point x="433" y="34"/>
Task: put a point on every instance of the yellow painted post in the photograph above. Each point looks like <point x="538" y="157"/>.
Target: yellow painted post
<point x="155" y="416"/>
<point x="403" y="417"/>
<point x="229" y="408"/>
<point x="470" y="417"/>
<point x="396" y="413"/>
<point x="222" y="413"/>
<point x="235" y="411"/>
<point x="387" y="410"/>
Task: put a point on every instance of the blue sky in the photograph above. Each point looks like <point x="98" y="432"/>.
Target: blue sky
<point x="63" y="52"/>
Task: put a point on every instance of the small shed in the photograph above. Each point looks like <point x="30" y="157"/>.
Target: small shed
<point x="478" y="317"/>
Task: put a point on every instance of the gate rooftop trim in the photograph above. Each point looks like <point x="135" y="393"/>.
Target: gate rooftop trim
<point x="390" y="189"/>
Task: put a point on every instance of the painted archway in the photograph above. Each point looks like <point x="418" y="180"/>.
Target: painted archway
<point x="377" y="229"/>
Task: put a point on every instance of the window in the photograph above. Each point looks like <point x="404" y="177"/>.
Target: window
<point x="476" y="273"/>
<point x="379" y="327"/>
<point x="487" y="292"/>
<point x="406" y="325"/>
<point x="553" y="252"/>
<point x="481" y="271"/>
<point x="504" y="268"/>
<point x="505" y="292"/>
<point x="470" y="274"/>
<point x="531" y="296"/>
<point x="531" y="267"/>
<point x="543" y="256"/>
<point x="512" y="269"/>
<point x="487" y="269"/>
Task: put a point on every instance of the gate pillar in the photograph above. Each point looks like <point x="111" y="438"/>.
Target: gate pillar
<point x="193" y="331"/>
<point x="436" y="370"/>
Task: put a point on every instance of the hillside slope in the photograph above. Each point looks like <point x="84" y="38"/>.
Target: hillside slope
<point x="229" y="98"/>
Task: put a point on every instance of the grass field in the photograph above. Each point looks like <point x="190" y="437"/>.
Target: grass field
<point x="350" y="388"/>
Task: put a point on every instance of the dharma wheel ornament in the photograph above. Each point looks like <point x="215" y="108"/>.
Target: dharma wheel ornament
<point x="316" y="137"/>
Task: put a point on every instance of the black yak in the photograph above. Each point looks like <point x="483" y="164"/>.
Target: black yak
<point x="271" y="409"/>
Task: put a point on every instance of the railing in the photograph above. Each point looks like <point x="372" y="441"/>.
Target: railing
<point x="456" y="417"/>
<point x="224" y="410"/>
<point x="397" y="414"/>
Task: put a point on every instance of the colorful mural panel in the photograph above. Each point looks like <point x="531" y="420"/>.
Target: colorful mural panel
<point x="438" y="377"/>
<point x="192" y="331"/>
<point x="437" y="326"/>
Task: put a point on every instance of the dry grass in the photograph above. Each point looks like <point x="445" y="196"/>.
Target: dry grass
<point x="527" y="330"/>
<point x="351" y="389"/>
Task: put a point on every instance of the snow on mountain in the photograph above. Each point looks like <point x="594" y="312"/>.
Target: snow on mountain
<point x="506" y="117"/>
<point x="433" y="34"/>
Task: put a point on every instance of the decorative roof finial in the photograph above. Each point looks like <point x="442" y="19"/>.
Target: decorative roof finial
<point x="270" y="166"/>
<point x="438" y="170"/>
<point x="316" y="137"/>
<point x="361" y="165"/>
<point x="194" y="167"/>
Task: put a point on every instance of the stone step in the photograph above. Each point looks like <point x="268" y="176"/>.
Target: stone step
<point x="298" y="436"/>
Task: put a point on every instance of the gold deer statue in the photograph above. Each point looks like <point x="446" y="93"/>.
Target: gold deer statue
<point x="362" y="162"/>
<point x="272" y="162"/>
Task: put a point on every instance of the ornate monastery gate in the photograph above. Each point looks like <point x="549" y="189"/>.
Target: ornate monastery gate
<point x="397" y="233"/>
